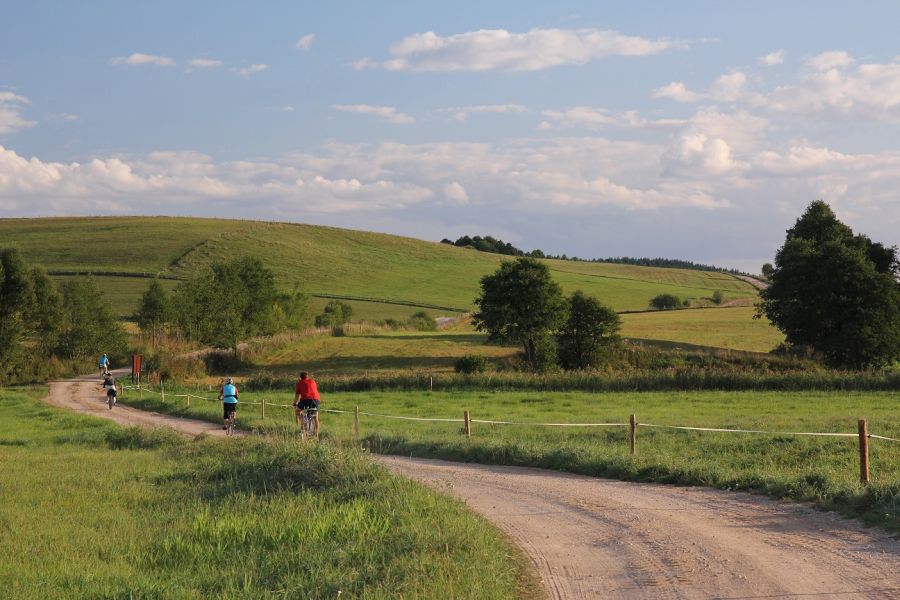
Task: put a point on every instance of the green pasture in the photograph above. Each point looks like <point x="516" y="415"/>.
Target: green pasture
<point x="93" y="510"/>
<point x="822" y="470"/>
<point x="325" y="260"/>
<point x="733" y="328"/>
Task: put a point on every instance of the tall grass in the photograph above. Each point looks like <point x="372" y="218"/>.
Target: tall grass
<point x="99" y="511"/>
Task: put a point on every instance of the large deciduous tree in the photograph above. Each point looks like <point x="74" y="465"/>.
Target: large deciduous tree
<point x="589" y="329"/>
<point x="520" y="302"/>
<point x="89" y="326"/>
<point x="835" y="292"/>
<point x="154" y="312"/>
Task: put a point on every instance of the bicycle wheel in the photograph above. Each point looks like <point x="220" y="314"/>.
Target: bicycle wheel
<point x="110" y="400"/>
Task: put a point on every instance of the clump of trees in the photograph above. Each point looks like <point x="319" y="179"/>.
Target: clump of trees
<point x="836" y="292"/>
<point x="520" y="302"/>
<point x="665" y="302"/>
<point x="222" y="306"/>
<point x="335" y="315"/>
<point x="40" y="322"/>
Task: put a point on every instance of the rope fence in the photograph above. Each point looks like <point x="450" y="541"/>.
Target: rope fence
<point x="862" y="434"/>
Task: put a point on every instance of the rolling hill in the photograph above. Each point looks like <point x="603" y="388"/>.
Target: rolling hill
<point x="384" y="275"/>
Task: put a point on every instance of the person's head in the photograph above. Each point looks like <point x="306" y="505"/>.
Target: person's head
<point x="228" y="381"/>
<point x="104" y="354"/>
<point x="303" y="375"/>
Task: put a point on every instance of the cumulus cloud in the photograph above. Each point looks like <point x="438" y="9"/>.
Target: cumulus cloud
<point x="773" y="58"/>
<point x="305" y="42"/>
<point x="834" y="83"/>
<point x="387" y="113"/>
<point x="456" y="193"/>
<point x="11" y="117"/>
<point x="729" y="87"/>
<point x="461" y="113"/>
<point x="204" y="63"/>
<point x="502" y="50"/>
<point x="250" y="70"/>
<point x="590" y="117"/>
<point x="143" y="59"/>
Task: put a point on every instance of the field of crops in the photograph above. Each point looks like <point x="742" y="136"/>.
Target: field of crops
<point x="823" y="470"/>
<point x="93" y="510"/>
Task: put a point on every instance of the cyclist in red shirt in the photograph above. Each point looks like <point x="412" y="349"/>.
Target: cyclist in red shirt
<point x="306" y="396"/>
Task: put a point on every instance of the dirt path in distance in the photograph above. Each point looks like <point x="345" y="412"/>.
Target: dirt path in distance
<point x="596" y="538"/>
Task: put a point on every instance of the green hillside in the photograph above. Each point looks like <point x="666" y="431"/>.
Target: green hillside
<point x="323" y="260"/>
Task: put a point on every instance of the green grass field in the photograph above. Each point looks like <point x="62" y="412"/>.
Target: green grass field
<point x="93" y="510"/>
<point x="733" y="328"/>
<point x="324" y="260"/>
<point x="823" y="470"/>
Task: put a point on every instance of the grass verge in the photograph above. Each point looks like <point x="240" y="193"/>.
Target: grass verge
<point x="92" y="510"/>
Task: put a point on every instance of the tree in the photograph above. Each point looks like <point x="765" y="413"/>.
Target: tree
<point x="15" y="301"/>
<point x="521" y="302"/>
<point x="88" y="325"/>
<point x="422" y="321"/>
<point x="590" y="327"/>
<point x="154" y="311"/>
<point x="665" y="302"/>
<point x="835" y="292"/>
<point x="336" y="313"/>
<point x="227" y="303"/>
<point x="717" y="297"/>
<point x="767" y="270"/>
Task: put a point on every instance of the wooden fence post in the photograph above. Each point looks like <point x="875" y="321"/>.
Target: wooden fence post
<point x="162" y="389"/>
<point x="863" y="451"/>
<point x="468" y="424"/>
<point x="356" y="422"/>
<point x="262" y="408"/>
<point x="632" y="438"/>
<point x="140" y="389"/>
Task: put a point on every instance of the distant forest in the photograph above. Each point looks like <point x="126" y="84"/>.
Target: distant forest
<point x="493" y="245"/>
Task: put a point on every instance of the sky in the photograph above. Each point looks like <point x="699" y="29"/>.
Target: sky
<point x="692" y="130"/>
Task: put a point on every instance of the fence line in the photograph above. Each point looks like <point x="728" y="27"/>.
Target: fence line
<point x="853" y="435"/>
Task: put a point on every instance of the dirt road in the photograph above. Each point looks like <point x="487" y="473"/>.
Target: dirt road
<point x="596" y="538"/>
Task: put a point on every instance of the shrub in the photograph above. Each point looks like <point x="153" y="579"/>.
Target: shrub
<point x="422" y="321"/>
<point x="223" y="363"/>
<point x="717" y="297"/>
<point x="665" y="302"/>
<point x="470" y="364"/>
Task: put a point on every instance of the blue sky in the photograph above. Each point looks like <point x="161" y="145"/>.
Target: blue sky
<point x="696" y="130"/>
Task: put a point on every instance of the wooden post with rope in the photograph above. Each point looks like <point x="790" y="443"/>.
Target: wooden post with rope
<point x="356" y="422"/>
<point x="468" y="424"/>
<point x="863" y="451"/>
<point x="632" y="422"/>
<point x="262" y="408"/>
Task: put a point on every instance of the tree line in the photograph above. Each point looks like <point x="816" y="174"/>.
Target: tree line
<point x="497" y="246"/>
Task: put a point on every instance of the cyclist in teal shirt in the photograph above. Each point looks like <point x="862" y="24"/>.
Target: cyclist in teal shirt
<point x="104" y="364"/>
<point x="229" y="397"/>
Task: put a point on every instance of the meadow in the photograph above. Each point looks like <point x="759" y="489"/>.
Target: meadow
<point x="323" y="260"/>
<point x="94" y="510"/>
<point x="822" y="470"/>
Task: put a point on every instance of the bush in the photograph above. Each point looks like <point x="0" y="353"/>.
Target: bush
<point x="717" y="297"/>
<point x="665" y="302"/>
<point x="470" y="364"/>
<point x="422" y="321"/>
<point x="223" y="363"/>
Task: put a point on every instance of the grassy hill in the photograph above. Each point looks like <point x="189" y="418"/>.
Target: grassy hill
<point x="375" y="269"/>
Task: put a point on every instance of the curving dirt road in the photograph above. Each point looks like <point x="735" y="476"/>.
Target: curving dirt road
<point x="597" y="538"/>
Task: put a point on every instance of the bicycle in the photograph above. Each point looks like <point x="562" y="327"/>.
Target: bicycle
<point x="111" y="398"/>
<point x="230" y="424"/>
<point x="309" y="425"/>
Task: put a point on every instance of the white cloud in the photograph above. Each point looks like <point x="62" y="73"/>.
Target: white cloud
<point x="388" y="113"/>
<point x="287" y="108"/>
<point x="456" y="193"/>
<point x="678" y="92"/>
<point x="773" y="58"/>
<point x="729" y="87"/>
<point x="591" y="117"/>
<point x="830" y="60"/>
<point x="832" y="84"/>
<point x="305" y="42"/>
<point x="709" y="141"/>
<point x="461" y="113"/>
<point x="143" y="59"/>
<point x="247" y="71"/>
<point x="501" y="50"/>
<point x="11" y="117"/>
<point x="204" y="63"/>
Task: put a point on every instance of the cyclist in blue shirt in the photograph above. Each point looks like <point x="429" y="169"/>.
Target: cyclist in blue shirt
<point x="229" y="397"/>
<point x="104" y="365"/>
